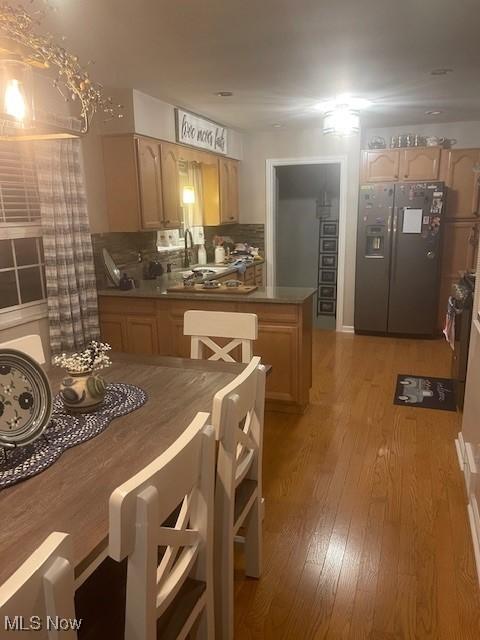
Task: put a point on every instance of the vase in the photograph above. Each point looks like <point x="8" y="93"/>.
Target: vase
<point x="82" y="392"/>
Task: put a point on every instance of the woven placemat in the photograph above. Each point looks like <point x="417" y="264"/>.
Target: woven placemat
<point x="67" y="430"/>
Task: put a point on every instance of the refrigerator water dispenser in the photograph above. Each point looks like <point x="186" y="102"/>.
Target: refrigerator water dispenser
<point x="375" y="236"/>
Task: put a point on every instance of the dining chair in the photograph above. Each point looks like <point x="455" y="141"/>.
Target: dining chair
<point x="202" y="326"/>
<point x="170" y="566"/>
<point x="31" y="345"/>
<point x="238" y="411"/>
<point x="41" y="593"/>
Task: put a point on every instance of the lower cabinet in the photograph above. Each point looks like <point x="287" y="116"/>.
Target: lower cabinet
<point x="152" y="326"/>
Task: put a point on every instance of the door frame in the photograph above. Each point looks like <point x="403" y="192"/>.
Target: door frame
<point x="270" y="221"/>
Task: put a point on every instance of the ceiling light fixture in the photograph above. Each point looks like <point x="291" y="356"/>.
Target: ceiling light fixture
<point x="277" y="125"/>
<point x="341" y="115"/>
<point x="224" y="94"/>
<point x="22" y="48"/>
<point x="433" y="113"/>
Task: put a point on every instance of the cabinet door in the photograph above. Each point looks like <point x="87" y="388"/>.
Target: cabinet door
<point x="460" y="242"/>
<point x="141" y="335"/>
<point x="463" y="171"/>
<point x="113" y="331"/>
<point x="380" y="165"/>
<point x="229" y="203"/>
<point x="150" y="183"/>
<point x="420" y="164"/>
<point x="277" y="346"/>
<point x="172" y="209"/>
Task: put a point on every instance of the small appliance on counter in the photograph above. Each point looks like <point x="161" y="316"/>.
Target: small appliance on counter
<point x="154" y="270"/>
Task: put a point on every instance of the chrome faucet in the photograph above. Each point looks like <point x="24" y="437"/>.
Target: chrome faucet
<point x="186" y="256"/>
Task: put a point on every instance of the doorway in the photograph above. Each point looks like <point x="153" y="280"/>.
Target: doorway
<point x="305" y="233"/>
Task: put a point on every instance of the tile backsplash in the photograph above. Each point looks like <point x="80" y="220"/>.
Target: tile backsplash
<point x="126" y="248"/>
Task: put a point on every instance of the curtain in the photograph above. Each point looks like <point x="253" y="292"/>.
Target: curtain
<point x="69" y="267"/>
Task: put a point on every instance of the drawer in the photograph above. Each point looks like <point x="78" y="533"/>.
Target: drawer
<point x="271" y="312"/>
<point x="124" y="305"/>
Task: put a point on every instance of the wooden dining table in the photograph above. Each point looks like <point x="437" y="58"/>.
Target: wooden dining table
<point x="72" y="495"/>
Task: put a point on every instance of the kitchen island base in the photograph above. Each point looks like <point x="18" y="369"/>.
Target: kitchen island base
<point x="154" y="326"/>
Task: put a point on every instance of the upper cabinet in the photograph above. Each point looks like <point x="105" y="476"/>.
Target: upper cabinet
<point x="229" y="200"/>
<point x="150" y="183"/>
<point x="380" y="165"/>
<point x="172" y="207"/>
<point x="146" y="180"/>
<point x="462" y="178"/>
<point x="420" y="163"/>
<point x="390" y="165"/>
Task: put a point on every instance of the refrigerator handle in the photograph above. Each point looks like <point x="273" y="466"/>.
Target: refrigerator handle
<point x="394" y="243"/>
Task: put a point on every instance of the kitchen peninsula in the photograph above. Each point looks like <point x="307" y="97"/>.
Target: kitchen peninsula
<point x="149" y="320"/>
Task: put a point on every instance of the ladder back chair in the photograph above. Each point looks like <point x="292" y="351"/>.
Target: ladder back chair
<point x="31" y="345"/>
<point x="43" y="587"/>
<point x="202" y="326"/>
<point x="238" y="413"/>
<point x="172" y="596"/>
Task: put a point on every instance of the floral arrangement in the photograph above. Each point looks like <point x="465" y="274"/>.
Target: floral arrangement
<point x="94" y="357"/>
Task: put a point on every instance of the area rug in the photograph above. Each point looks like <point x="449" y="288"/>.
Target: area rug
<point x="425" y="392"/>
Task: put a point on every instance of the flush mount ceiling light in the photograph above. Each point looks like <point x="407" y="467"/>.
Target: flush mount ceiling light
<point x="22" y="49"/>
<point x="433" y="113"/>
<point x="224" y="94"/>
<point x="341" y="115"/>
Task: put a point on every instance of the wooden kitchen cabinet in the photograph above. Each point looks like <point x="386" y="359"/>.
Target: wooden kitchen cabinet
<point x="462" y="179"/>
<point x="420" y="163"/>
<point x="150" y="183"/>
<point x="141" y="335"/>
<point x="229" y="198"/>
<point x="380" y="165"/>
<point x="114" y="331"/>
<point x="173" y="211"/>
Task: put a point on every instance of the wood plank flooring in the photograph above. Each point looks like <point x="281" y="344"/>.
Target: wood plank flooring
<point x="366" y="529"/>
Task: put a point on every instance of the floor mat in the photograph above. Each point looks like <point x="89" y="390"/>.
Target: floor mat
<point x="426" y="392"/>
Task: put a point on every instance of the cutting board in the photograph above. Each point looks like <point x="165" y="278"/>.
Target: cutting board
<point x="243" y="289"/>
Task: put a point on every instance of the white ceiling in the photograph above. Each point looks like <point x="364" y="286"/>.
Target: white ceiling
<point x="280" y="57"/>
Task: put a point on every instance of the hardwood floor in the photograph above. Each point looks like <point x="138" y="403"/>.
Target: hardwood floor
<point x="366" y="528"/>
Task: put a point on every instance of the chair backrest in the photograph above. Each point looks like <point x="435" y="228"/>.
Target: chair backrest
<point x="202" y="326"/>
<point x="31" y="345"/>
<point x="43" y="587"/>
<point x="237" y="417"/>
<point x="183" y="475"/>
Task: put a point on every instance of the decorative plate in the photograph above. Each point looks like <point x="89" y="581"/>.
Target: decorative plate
<point x="25" y="399"/>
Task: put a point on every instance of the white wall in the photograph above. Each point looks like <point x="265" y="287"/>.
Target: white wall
<point x="259" y="146"/>
<point x="467" y="134"/>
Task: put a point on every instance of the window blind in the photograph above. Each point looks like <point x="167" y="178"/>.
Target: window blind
<point x="19" y="199"/>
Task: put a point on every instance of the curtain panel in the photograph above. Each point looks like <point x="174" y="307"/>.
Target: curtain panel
<point x="69" y="267"/>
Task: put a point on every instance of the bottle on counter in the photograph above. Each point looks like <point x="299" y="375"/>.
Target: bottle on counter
<point x="219" y="255"/>
<point x="202" y="255"/>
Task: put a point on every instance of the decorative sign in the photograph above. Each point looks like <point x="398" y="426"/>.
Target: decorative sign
<point x="199" y="132"/>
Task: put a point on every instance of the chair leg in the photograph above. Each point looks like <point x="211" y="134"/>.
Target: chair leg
<point x="253" y="540"/>
<point x="201" y="630"/>
<point x="224" y="589"/>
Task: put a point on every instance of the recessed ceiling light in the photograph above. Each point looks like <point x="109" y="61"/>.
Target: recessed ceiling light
<point x="441" y="71"/>
<point x="433" y="113"/>
<point x="276" y="124"/>
<point x="224" y="94"/>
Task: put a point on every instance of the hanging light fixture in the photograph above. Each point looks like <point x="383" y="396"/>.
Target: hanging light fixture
<point x="21" y="49"/>
<point x="16" y="94"/>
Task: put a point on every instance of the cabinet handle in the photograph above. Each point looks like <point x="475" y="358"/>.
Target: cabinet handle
<point x="167" y="221"/>
<point x="232" y="218"/>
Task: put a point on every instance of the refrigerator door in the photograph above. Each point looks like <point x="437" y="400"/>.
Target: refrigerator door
<point x="415" y="260"/>
<point x="373" y="257"/>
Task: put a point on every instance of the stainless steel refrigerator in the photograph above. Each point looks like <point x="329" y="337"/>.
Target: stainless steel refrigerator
<point x="398" y="257"/>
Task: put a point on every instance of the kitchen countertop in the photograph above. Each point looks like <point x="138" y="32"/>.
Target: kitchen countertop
<point x="158" y="289"/>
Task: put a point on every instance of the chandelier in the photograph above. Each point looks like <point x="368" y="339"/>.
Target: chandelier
<point x="21" y="50"/>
